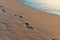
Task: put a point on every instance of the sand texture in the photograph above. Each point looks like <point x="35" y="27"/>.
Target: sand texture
<point x="19" y="22"/>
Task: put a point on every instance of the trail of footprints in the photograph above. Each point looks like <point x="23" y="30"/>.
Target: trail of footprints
<point x="12" y="27"/>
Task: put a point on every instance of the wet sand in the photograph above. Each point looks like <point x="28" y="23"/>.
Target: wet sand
<point x="19" y="22"/>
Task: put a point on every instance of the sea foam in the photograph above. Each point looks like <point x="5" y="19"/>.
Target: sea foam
<point x="50" y="6"/>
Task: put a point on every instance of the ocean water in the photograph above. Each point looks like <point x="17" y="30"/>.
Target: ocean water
<point x="50" y="6"/>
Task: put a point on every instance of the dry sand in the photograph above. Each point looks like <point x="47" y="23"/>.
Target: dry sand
<point x="18" y="22"/>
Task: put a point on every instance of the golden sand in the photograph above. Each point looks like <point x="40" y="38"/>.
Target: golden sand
<point x="19" y="22"/>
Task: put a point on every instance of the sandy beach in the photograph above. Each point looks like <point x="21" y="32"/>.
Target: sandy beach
<point x="19" y="22"/>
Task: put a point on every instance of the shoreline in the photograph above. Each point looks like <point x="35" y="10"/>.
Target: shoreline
<point x="43" y="24"/>
<point x="40" y="10"/>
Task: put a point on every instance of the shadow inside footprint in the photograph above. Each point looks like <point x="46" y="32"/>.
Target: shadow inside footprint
<point x="29" y="27"/>
<point x="3" y="10"/>
<point x="1" y="6"/>
<point x="20" y="16"/>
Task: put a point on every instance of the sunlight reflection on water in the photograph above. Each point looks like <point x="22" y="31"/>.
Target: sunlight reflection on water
<point x="50" y="6"/>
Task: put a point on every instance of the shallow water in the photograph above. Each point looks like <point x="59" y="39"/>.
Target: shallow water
<point x="50" y="6"/>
